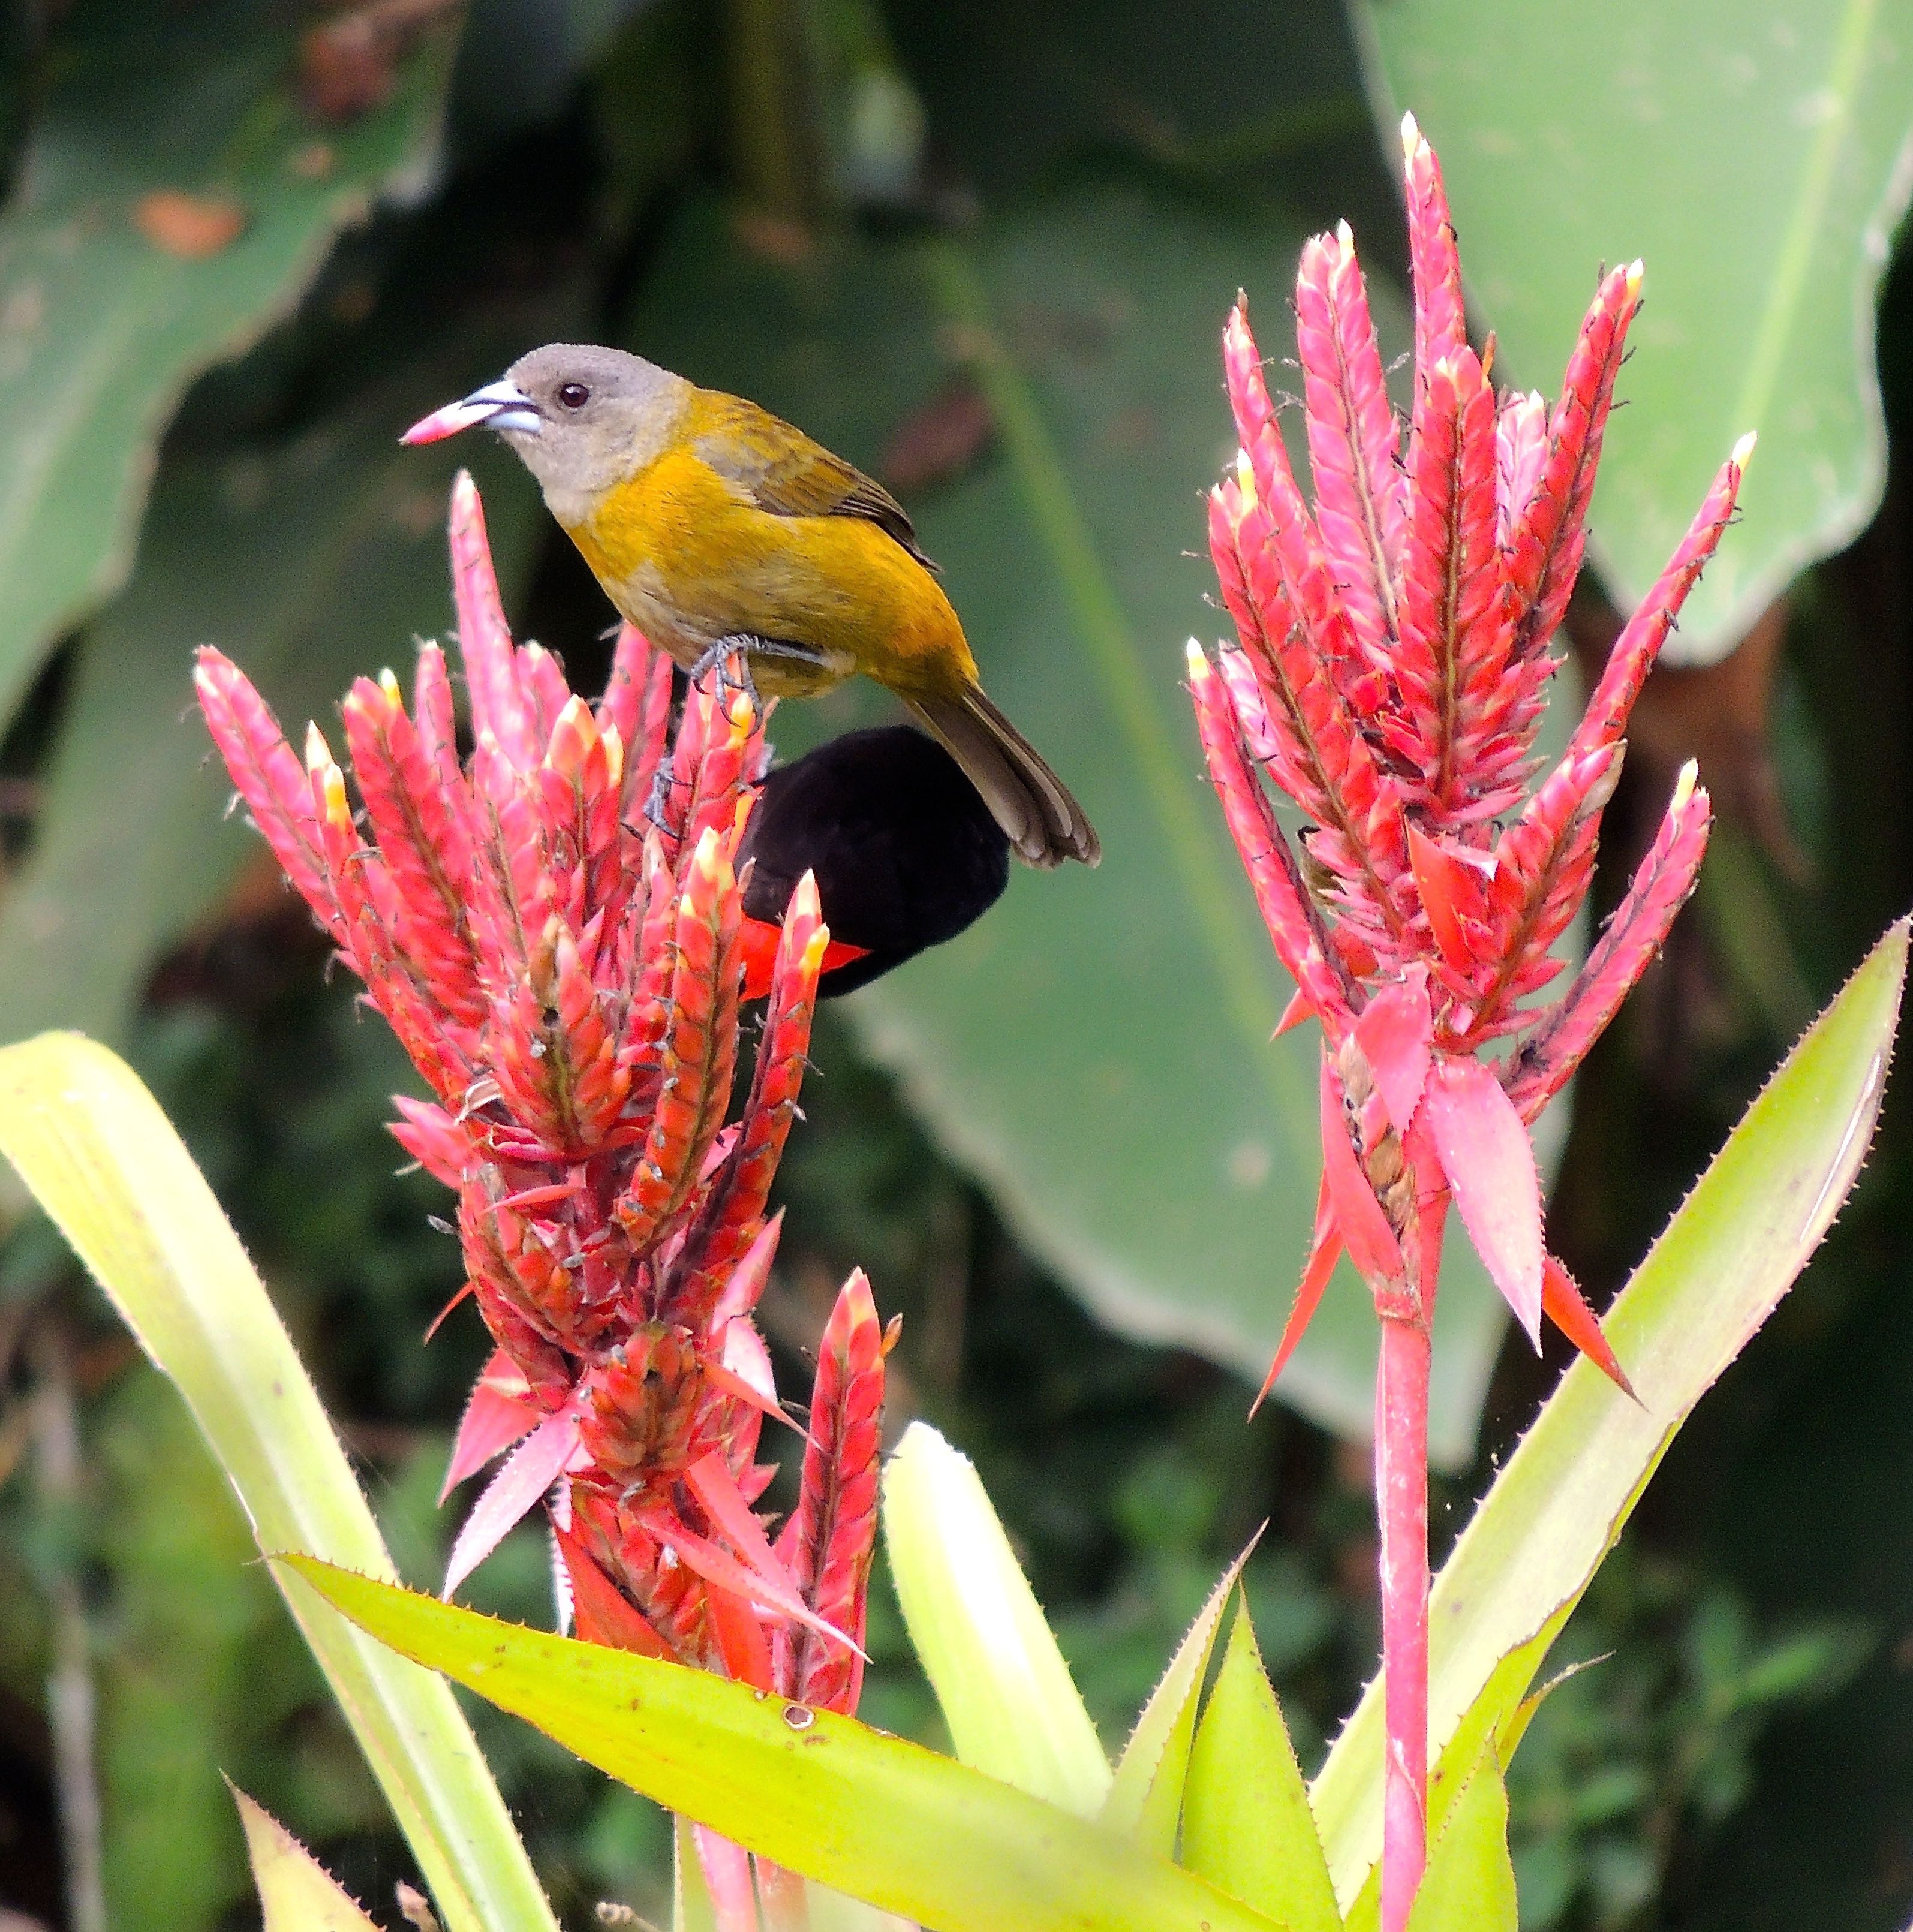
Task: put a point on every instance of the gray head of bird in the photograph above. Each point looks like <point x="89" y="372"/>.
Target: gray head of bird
<point x="582" y="418"/>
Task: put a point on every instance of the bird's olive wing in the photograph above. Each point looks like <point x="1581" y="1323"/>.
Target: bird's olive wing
<point x="790" y="475"/>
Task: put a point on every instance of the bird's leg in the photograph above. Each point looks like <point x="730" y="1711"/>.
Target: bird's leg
<point x="655" y="804"/>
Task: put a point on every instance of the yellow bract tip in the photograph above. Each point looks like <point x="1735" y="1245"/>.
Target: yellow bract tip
<point x="813" y="949"/>
<point x="1199" y="664"/>
<point x="1245" y="478"/>
<point x="1345" y="238"/>
<point x="1744" y="449"/>
<point x="1684" y="785"/>
<point x="1411" y="135"/>
<point x="337" y="809"/>
<point x="614" y="744"/>
<point x="1637" y="270"/>
<point x="705" y="857"/>
<point x="389" y="684"/>
<point x="318" y="753"/>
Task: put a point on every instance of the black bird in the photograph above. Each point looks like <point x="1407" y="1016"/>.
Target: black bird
<point x="906" y="853"/>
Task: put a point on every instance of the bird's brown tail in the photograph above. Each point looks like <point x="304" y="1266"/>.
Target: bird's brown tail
<point x="1026" y="797"/>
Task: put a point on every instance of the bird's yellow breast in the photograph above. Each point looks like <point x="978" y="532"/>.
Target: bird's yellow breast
<point x="690" y="560"/>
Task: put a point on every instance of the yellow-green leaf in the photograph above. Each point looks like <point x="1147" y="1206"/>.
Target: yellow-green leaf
<point x="830" y="1911"/>
<point x="1012" y="1707"/>
<point x="1246" y="1824"/>
<point x="1470" y="1883"/>
<point x="105" y="1163"/>
<point x="858" y="1810"/>
<point x="1496" y="1720"/>
<point x="296" y="1893"/>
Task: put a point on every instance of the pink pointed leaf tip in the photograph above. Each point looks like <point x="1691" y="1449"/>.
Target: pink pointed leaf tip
<point x="1325" y="1249"/>
<point x="1562" y="1302"/>
<point x="512" y="1494"/>
<point x="498" y="1413"/>
<point x="1485" y="1152"/>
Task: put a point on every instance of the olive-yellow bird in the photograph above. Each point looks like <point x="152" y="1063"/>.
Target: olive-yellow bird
<point x="714" y="526"/>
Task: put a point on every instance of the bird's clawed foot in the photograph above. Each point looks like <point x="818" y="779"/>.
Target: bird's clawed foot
<point x="731" y="658"/>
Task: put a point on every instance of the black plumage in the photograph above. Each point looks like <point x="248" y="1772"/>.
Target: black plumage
<point x="906" y="853"/>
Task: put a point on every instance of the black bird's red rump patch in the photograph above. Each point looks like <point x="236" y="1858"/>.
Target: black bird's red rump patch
<point x="905" y="853"/>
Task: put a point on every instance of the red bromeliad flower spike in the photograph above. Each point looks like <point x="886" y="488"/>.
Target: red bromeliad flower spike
<point x="554" y="929"/>
<point x="1388" y="676"/>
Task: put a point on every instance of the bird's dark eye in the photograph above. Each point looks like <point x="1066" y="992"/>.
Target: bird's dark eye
<point x="573" y="395"/>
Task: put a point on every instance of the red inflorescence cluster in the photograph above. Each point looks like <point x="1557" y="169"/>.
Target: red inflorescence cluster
<point x="552" y="927"/>
<point x="1388" y="676"/>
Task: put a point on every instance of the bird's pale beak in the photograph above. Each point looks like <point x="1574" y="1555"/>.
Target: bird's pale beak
<point x="498" y="405"/>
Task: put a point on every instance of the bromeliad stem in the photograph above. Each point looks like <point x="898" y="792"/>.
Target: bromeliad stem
<point x="783" y="1898"/>
<point x="1401" y="1504"/>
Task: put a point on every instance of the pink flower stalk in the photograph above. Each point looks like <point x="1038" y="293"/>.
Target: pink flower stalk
<point x="1388" y="676"/>
<point x="552" y="927"/>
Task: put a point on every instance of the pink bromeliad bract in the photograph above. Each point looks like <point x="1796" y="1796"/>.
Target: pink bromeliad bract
<point x="1388" y="676"/>
<point x="551" y="929"/>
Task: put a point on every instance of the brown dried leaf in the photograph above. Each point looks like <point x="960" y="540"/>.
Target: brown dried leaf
<point x="414" y="1908"/>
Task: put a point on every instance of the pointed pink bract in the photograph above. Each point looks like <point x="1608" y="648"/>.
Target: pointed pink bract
<point x="498" y="1412"/>
<point x="512" y="1494"/>
<point x="1372" y="1244"/>
<point x="1396" y="1033"/>
<point x="1325" y="1249"/>
<point x="1485" y="1153"/>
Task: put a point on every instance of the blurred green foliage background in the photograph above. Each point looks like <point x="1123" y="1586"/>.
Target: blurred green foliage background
<point x="984" y="251"/>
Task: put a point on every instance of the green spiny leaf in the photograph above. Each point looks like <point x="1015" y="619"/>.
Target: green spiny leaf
<point x="297" y="1893"/>
<point x="1470" y="1883"/>
<point x="103" y="1160"/>
<point x="1246" y="1824"/>
<point x="1145" y="1800"/>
